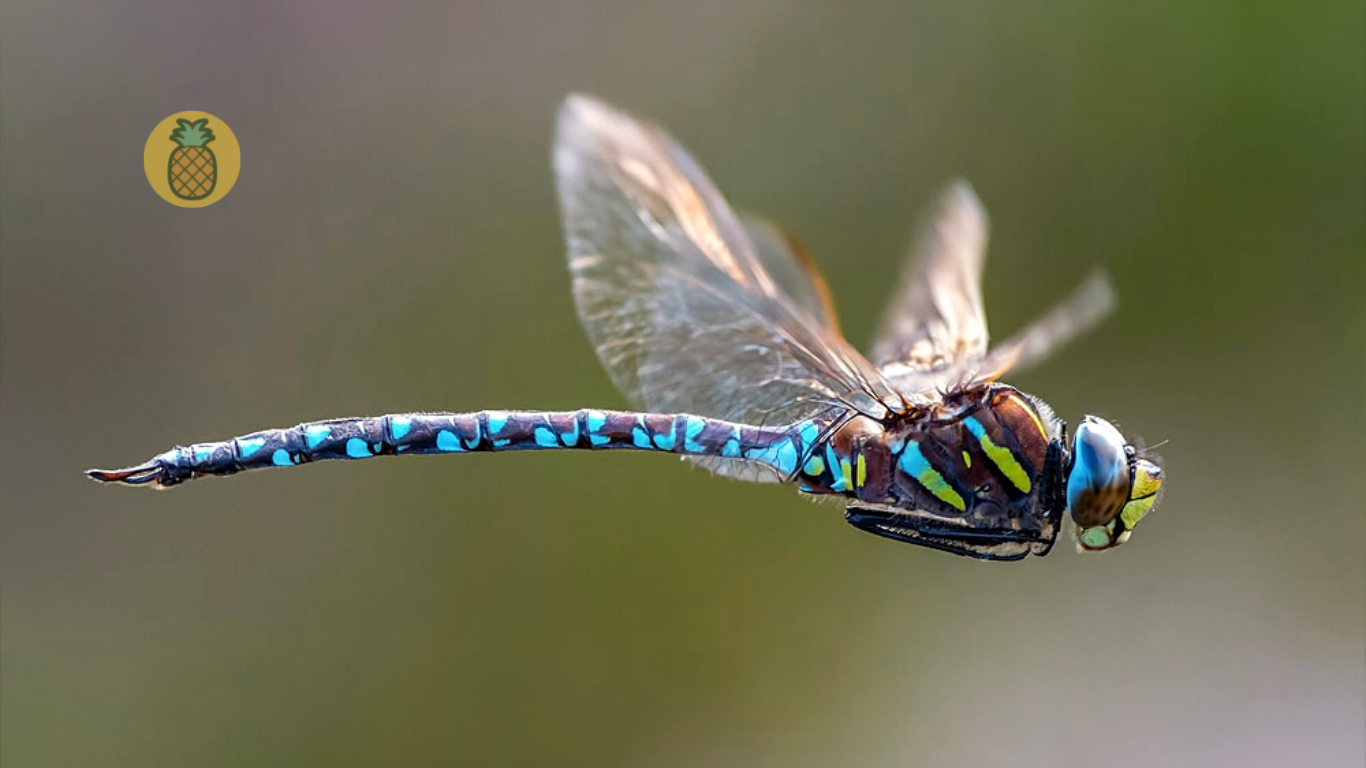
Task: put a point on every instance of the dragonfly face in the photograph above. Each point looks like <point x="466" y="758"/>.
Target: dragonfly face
<point x="1110" y="488"/>
<point x="720" y="332"/>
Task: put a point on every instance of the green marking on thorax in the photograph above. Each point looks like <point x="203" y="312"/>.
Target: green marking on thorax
<point x="914" y="463"/>
<point x="1000" y="456"/>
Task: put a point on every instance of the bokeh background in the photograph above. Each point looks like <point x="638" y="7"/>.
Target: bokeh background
<point x="393" y="244"/>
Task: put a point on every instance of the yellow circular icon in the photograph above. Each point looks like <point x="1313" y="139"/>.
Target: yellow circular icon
<point x="192" y="159"/>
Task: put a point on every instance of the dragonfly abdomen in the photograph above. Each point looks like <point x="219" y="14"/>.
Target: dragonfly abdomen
<point x="432" y="433"/>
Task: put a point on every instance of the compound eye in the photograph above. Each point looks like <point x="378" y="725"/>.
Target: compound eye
<point x="1147" y="481"/>
<point x="1098" y="483"/>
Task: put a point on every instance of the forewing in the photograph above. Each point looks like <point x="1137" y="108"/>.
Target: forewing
<point x="792" y="269"/>
<point x="683" y="313"/>
<point x="936" y="319"/>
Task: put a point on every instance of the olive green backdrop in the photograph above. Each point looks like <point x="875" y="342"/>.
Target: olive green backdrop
<point x="393" y="244"/>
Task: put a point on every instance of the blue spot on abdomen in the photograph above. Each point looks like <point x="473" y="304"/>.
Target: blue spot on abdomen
<point x="570" y="437"/>
<point x="639" y="438"/>
<point x="315" y="434"/>
<point x="595" y="421"/>
<point x="691" y="429"/>
<point x="447" y="441"/>
<point x="782" y="456"/>
<point x="497" y="420"/>
<point x="665" y="441"/>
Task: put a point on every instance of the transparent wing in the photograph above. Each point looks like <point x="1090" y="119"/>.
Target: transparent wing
<point x="685" y="314"/>
<point x="1090" y="303"/>
<point x="934" y="335"/>
<point x="936" y="318"/>
<point x="792" y="268"/>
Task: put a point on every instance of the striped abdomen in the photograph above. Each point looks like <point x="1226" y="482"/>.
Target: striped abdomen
<point x="428" y="433"/>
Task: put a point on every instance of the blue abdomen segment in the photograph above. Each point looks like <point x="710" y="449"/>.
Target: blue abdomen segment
<point x="429" y="433"/>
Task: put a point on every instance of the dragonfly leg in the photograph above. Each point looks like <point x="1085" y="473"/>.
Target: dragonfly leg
<point x="982" y="544"/>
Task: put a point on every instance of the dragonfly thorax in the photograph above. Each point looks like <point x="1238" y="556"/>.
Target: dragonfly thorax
<point x="980" y="471"/>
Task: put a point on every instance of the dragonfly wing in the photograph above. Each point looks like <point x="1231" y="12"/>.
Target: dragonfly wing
<point x="1089" y="304"/>
<point x="934" y="335"/>
<point x="792" y="268"/>
<point x="936" y="319"/>
<point x="684" y="314"/>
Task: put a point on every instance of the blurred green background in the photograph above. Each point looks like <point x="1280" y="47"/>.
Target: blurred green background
<point x="393" y="244"/>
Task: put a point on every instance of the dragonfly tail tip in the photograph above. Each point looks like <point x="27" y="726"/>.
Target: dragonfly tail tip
<point x="150" y="472"/>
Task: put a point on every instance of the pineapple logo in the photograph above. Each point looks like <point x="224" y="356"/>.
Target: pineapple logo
<point x="182" y="167"/>
<point x="193" y="170"/>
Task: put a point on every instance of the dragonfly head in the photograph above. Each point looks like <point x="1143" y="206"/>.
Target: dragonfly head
<point x="1109" y="486"/>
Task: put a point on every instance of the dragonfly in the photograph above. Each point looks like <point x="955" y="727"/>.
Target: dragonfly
<point x="722" y="335"/>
